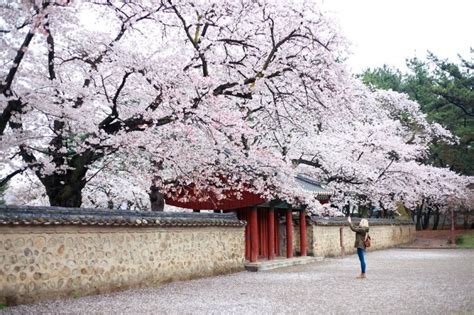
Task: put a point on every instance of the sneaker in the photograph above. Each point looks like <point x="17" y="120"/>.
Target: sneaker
<point x="361" y="276"/>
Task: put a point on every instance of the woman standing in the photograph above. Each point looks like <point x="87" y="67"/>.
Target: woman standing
<point x="361" y="232"/>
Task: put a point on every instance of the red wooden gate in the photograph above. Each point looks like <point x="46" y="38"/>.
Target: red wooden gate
<point x="264" y="243"/>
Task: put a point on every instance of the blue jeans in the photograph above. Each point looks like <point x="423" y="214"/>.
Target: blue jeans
<point x="361" y="254"/>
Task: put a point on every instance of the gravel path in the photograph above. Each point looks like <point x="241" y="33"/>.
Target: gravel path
<point x="400" y="281"/>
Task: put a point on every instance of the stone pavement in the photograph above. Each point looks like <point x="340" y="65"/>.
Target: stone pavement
<point x="400" y="281"/>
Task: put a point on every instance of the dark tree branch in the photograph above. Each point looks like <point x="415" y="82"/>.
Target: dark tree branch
<point x="312" y="163"/>
<point x="276" y="47"/>
<point x="5" y="88"/>
<point x="343" y="179"/>
<point x="222" y="89"/>
<point x="235" y="42"/>
<point x="13" y="106"/>
<point x="5" y="180"/>
<point x="29" y="158"/>
<point x="50" y="42"/>
<point x="456" y="101"/>
<point x="126" y="24"/>
<point x="195" y="43"/>
<point x="114" y="114"/>
<point x="113" y="124"/>
<point x="117" y="93"/>
<point x="25" y="23"/>
<point x="384" y="171"/>
<point x="136" y="123"/>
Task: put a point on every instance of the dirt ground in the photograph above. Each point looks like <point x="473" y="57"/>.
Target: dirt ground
<point x="399" y="281"/>
<point x="436" y="239"/>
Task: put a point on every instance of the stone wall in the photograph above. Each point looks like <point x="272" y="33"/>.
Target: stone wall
<point x="324" y="236"/>
<point x="67" y="258"/>
<point x="48" y="253"/>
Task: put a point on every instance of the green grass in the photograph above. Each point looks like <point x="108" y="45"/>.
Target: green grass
<point x="2" y="306"/>
<point x="465" y="241"/>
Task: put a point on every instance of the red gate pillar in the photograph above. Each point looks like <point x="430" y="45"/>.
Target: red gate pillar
<point x="289" y="233"/>
<point x="253" y="235"/>
<point x="271" y="233"/>
<point x="303" y="243"/>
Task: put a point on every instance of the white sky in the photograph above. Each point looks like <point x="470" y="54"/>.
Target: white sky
<point x="389" y="31"/>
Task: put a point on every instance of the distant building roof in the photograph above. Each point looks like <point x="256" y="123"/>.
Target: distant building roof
<point x="311" y="185"/>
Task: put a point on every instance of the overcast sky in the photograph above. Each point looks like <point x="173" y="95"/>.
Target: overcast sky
<point x="389" y="31"/>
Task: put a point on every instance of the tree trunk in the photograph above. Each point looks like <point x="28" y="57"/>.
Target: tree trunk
<point x="63" y="190"/>
<point x="426" y="219"/>
<point x="444" y="220"/>
<point x="418" y="218"/>
<point x="436" y="219"/>
<point x="466" y="219"/>
<point x="64" y="196"/>
<point x="157" y="199"/>
<point x="418" y="215"/>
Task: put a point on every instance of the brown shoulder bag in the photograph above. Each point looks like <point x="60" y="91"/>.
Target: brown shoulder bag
<point x="367" y="240"/>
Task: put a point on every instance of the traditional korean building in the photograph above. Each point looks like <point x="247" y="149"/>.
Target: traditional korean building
<point x="263" y="235"/>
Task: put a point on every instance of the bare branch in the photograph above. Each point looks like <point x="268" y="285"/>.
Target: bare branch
<point x="195" y="43"/>
<point x="7" y="178"/>
<point x="5" y="88"/>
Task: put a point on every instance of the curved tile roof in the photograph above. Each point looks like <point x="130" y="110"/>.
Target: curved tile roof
<point x="27" y="215"/>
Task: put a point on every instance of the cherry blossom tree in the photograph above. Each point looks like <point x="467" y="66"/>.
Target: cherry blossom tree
<point x="381" y="155"/>
<point x="64" y="107"/>
<point x="124" y="101"/>
<point x="82" y="95"/>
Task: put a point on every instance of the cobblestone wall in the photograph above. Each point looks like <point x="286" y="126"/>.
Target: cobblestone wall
<point x="324" y="240"/>
<point x="43" y="261"/>
<point x="55" y="252"/>
<point x="38" y="262"/>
